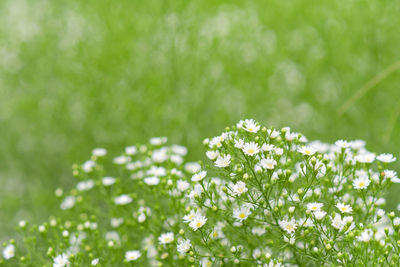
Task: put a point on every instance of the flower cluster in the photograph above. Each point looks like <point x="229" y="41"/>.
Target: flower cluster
<point x="264" y="197"/>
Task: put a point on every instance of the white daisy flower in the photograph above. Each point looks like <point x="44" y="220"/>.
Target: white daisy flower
<point x="392" y="175"/>
<point x="184" y="246"/>
<point x="223" y="161"/>
<point x="289" y="226"/>
<point x="386" y="158"/>
<point x="337" y="222"/>
<point x="156" y="141"/>
<point x="344" y="208"/>
<point x="365" y="235"/>
<point x="365" y="158"/>
<point x="94" y="262"/>
<point x="241" y="213"/>
<point x="268" y="163"/>
<point x="251" y="126"/>
<point x="182" y="185"/>
<point x="212" y="155"/>
<point x="108" y="181"/>
<point x="68" y="203"/>
<point x="251" y="148"/>
<point x="197" y="222"/>
<point x="122" y="200"/>
<point x="153" y="180"/>
<point x="314" y="206"/>
<point x="166" y="238"/>
<point x="99" y="152"/>
<point x="199" y="176"/>
<point x="61" y="261"/>
<point x="361" y="182"/>
<point x="9" y="252"/>
<point x="343" y="144"/>
<point x="306" y="150"/>
<point x="189" y="217"/>
<point x="319" y="214"/>
<point x="239" y="188"/>
<point x="273" y="133"/>
<point x="239" y="143"/>
<point x="131" y="150"/>
<point x="132" y="255"/>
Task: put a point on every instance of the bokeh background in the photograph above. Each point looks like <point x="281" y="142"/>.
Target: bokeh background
<point x="75" y="75"/>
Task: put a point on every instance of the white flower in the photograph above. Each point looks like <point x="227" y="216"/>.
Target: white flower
<point x="166" y="238"/>
<point x="121" y="160"/>
<point x="251" y="148"/>
<point x="307" y="150"/>
<point x="189" y="217"/>
<point x="344" y="208"/>
<point x="268" y="163"/>
<point x="239" y="143"/>
<point x="315" y="206"/>
<point x="386" y="158"/>
<point x="183" y="246"/>
<point x="278" y="151"/>
<point x="212" y="155"/>
<point x="61" y="261"/>
<point x="241" y="213"/>
<point x="291" y="136"/>
<point x="223" y="161"/>
<point x="396" y="221"/>
<point x="156" y="141"/>
<point x="99" y="152"/>
<point x="108" y="181"/>
<point x="288" y="226"/>
<point x="199" y="176"/>
<point x="153" y="180"/>
<point x="319" y="215"/>
<point x="337" y="222"/>
<point x="157" y="171"/>
<point x="365" y="235"/>
<point x="392" y="175"/>
<point x="273" y="133"/>
<point x="85" y="185"/>
<point x="239" y="188"/>
<point x="116" y="222"/>
<point x="182" y="185"/>
<point x="192" y="167"/>
<point x="94" y="262"/>
<point x="179" y="150"/>
<point x="68" y="203"/>
<point x="122" y="200"/>
<point x="88" y="166"/>
<point x="342" y="144"/>
<point x="251" y="126"/>
<point x="9" y="252"/>
<point x="197" y="222"/>
<point x="361" y="182"/>
<point x="267" y="147"/>
<point x="365" y="158"/>
<point x="159" y="155"/>
<point x="132" y="255"/>
<point x="131" y="150"/>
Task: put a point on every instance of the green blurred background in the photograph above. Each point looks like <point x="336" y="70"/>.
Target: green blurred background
<point x="75" y="75"/>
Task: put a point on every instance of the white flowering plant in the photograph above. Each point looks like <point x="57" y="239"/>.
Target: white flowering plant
<point x="264" y="197"/>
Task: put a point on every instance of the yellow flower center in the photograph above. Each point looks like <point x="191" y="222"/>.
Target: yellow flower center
<point x="242" y="215"/>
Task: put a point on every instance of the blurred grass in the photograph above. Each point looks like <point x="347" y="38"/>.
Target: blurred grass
<point x="75" y="75"/>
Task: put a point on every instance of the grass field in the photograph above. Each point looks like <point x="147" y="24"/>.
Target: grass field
<point x="75" y="75"/>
